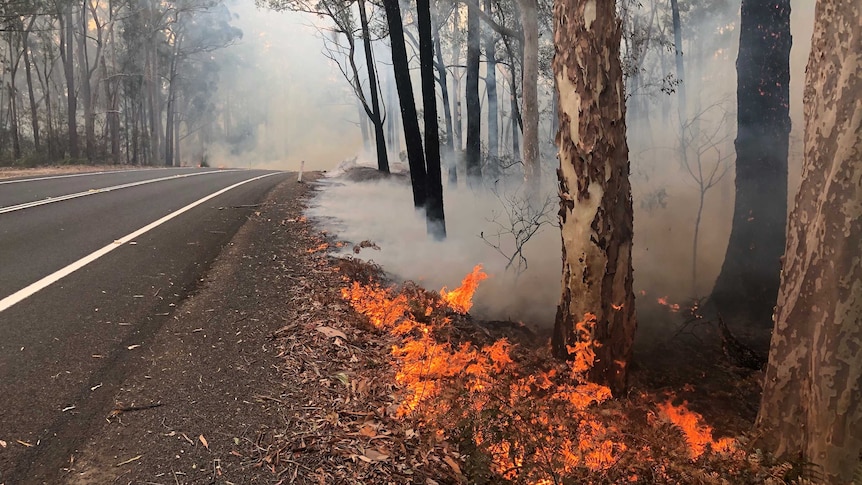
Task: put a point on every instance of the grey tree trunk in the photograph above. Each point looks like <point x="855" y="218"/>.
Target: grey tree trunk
<point x="34" y="114"/>
<point x="529" y="89"/>
<point x="491" y="88"/>
<point x="67" y="50"/>
<point x="811" y="405"/>
<point x="443" y="80"/>
<point x="596" y="314"/>
<point x="473" y="155"/>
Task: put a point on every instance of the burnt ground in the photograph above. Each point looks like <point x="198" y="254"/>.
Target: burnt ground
<point x="266" y="375"/>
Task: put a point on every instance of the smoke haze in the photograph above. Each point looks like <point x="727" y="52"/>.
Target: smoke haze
<point x="306" y="111"/>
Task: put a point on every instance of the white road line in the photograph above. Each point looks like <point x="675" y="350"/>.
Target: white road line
<point x="52" y="278"/>
<point x="104" y="172"/>
<point x="60" y="198"/>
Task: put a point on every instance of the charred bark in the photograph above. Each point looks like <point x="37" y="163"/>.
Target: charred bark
<point x="811" y="403"/>
<point x="595" y="194"/>
<point x="434" y="204"/>
<point x="412" y="134"/>
<point x="443" y="80"/>
<point x="377" y="117"/>
<point x="67" y="53"/>
<point x="747" y="286"/>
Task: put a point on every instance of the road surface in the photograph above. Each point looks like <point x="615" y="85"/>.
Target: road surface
<point x="91" y="267"/>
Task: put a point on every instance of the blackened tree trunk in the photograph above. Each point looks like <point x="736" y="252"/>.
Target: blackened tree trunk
<point x="810" y="406"/>
<point x="595" y="322"/>
<point x="412" y="134"/>
<point x="473" y="155"/>
<point x="747" y="286"/>
<point x="434" y="204"/>
<point x="376" y="117"/>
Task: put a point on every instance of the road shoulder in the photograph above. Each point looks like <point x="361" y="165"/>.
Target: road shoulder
<point x="203" y="392"/>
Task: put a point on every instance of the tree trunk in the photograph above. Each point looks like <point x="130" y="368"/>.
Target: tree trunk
<point x="34" y="113"/>
<point x="434" y="205"/>
<point x="473" y="156"/>
<point x="412" y="134"/>
<point x="491" y="85"/>
<point x="86" y="92"/>
<point x="529" y="89"/>
<point x="596" y="311"/>
<point x="67" y="51"/>
<point x="443" y="80"/>
<point x="811" y="406"/>
<point x="376" y="119"/>
<point x="456" y="80"/>
<point x="747" y="286"/>
<point x="363" y="125"/>
<point x="680" y="65"/>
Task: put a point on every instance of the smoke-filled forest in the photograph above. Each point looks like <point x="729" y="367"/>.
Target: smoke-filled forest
<point x="659" y="201"/>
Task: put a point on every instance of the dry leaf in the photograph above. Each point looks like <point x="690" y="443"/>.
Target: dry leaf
<point x="2" y="444"/>
<point x="204" y="442"/>
<point x="375" y="455"/>
<point x="452" y="463"/>
<point x="331" y="332"/>
<point x="369" y="429"/>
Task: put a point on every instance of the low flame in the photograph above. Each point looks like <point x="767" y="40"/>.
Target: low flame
<point x="461" y="298"/>
<point x="513" y="410"/>
<point x="698" y="436"/>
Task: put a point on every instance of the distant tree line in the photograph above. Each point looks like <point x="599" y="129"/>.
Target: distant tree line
<point x="111" y="81"/>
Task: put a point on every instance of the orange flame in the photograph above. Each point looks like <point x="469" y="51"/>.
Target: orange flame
<point x="444" y="383"/>
<point x="698" y="436"/>
<point x="461" y="298"/>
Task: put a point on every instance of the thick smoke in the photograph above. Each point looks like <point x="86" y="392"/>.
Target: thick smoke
<point x="310" y="114"/>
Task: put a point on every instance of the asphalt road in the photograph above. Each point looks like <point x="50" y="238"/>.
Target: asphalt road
<point x="66" y="345"/>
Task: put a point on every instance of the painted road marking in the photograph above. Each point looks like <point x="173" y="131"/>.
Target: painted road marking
<point x="84" y="174"/>
<point x="61" y="198"/>
<point x="52" y="278"/>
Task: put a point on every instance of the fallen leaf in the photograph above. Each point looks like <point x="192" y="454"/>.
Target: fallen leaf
<point x="24" y="443"/>
<point x="133" y="347"/>
<point x="368" y="429"/>
<point x="2" y="444"/>
<point x="343" y="378"/>
<point x="375" y="455"/>
<point x="452" y="463"/>
<point x="204" y="442"/>
<point x="331" y="332"/>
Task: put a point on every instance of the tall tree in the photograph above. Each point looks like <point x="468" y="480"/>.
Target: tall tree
<point x="434" y="204"/>
<point x="529" y="86"/>
<point x="747" y="286"/>
<point x="377" y="115"/>
<point x="67" y="54"/>
<point x="473" y="155"/>
<point x="596" y="312"/>
<point x="491" y="89"/>
<point x="811" y="406"/>
<point x="412" y="134"/>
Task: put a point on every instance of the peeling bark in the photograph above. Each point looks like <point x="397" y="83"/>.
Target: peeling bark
<point x="812" y="397"/>
<point x="595" y="194"/>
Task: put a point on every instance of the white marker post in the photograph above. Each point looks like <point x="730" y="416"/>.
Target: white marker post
<point x="301" y="169"/>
